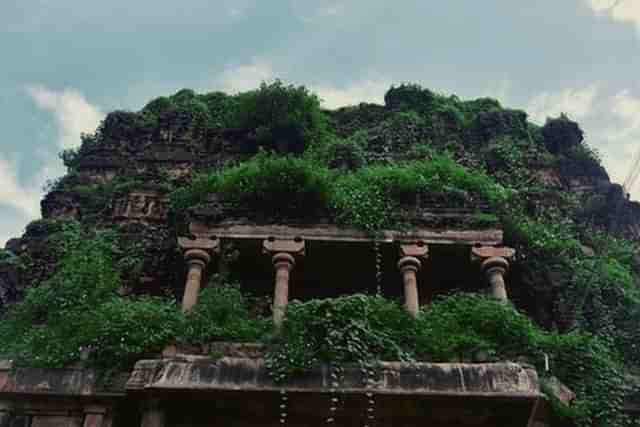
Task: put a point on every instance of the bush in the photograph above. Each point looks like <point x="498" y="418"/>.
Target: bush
<point x="455" y="326"/>
<point x="370" y="197"/>
<point x="222" y="314"/>
<point x="352" y="329"/>
<point x="265" y="186"/>
<point x="561" y="134"/>
<point x="285" y="118"/>
<point x="79" y="309"/>
<point x="361" y="330"/>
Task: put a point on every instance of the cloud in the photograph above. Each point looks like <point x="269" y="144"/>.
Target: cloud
<point x="625" y="134"/>
<point x="73" y="113"/>
<point x="14" y="194"/>
<point x="627" y="108"/>
<point x="618" y="10"/>
<point x="243" y="77"/>
<point x="577" y="103"/>
<point x="368" y="90"/>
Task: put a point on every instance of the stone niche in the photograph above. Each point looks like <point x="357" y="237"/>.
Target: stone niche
<point x="144" y="204"/>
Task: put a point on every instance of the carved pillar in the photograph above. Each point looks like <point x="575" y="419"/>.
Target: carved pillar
<point x="282" y="254"/>
<point x="152" y="414"/>
<point x="5" y="413"/>
<point x="494" y="264"/>
<point x="94" y="416"/>
<point x="409" y="265"/>
<point x="197" y="254"/>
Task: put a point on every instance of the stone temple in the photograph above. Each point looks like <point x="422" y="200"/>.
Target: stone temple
<point x="185" y="386"/>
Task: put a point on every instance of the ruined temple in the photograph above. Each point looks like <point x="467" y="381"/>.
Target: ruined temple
<point x="447" y="242"/>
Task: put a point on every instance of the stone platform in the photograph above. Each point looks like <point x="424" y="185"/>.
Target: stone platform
<point x="197" y="391"/>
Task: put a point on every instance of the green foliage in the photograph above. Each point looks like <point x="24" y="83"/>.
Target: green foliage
<point x="370" y="197"/>
<point x="266" y="185"/>
<point x="283" y="117"/>
<point x="79" y="310"/>
<point x="367" y="198"/>
<point x="222" y="314"/>
<point x="352" y="329"/>
<point x="362" y="330"/>
<point x="561" y="134"/>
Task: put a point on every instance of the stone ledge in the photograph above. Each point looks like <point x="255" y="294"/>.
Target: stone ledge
<point x="64" y="382"/>
<point x="332" y="233"/>
<point x="191" y="373"/>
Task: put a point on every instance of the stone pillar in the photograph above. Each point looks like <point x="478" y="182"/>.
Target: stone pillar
<point x="94" y="416"/>
<point x="197" y="260"/>
<point x="409" y="265"/>
<point x="197" y="254"/>
<point x="152" y="414"/>
<point x="494" y="264"/>
<point x="5" y="413"/>
<point x="283" y="254"/>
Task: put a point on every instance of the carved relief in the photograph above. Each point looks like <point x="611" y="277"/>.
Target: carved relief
<point x="140" y="205"/>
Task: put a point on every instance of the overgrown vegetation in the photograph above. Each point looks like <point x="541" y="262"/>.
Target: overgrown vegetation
<point x="368" y="198"/>
<point x="77" y="313"/>
<point x="223" y="314"/>
<point x="359" y="166"/>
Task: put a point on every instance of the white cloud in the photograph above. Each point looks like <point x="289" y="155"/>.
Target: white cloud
<point x="243" y="77"/>
<point x="577" y="103"/>
<point x="73" y="113"/>
<point x="627" y="108"/>
<point x="500" y="90"/>
<point x="14" y="194"/>
<point x="618" y="10"/>
<point x="368" y="90"/>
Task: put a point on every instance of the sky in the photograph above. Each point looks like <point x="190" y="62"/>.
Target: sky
<point x="65" y="63"/>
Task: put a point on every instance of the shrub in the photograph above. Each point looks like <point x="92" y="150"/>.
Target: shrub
<point x="283" y="117"/>
<point x="222" y="314"/>
<point x="370" y="197"/>
<point x="352" y="329"/>
<point x="79" y="309"/>
<point x="561" y="134"/>
<point x="267" y="185"/>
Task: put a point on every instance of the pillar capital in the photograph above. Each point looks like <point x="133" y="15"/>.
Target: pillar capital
<point x="409" y="263"/>
<point x="274" y="246"/>
<point x="419" y="250"/>
<point x="483" y="253"/>
<point x="197" y="257"/>
<point x="494" y="263"/>
<point x="283" y="260"/>
<point x="209" y="244"/>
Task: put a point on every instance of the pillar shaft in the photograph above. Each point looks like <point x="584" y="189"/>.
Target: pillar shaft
<point x="197" y="260"/>
<point x="410" y="290"/>
<point x="409" y="265"/>
<point x="192" y="285"/>
<point x="152" y="415"/>
<point x="5" y="414"/>
<point x="93" y="419"/>
<point x="282" y="253"/>
<point x="495" y="276"/>
<point x="283" y="263"/>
